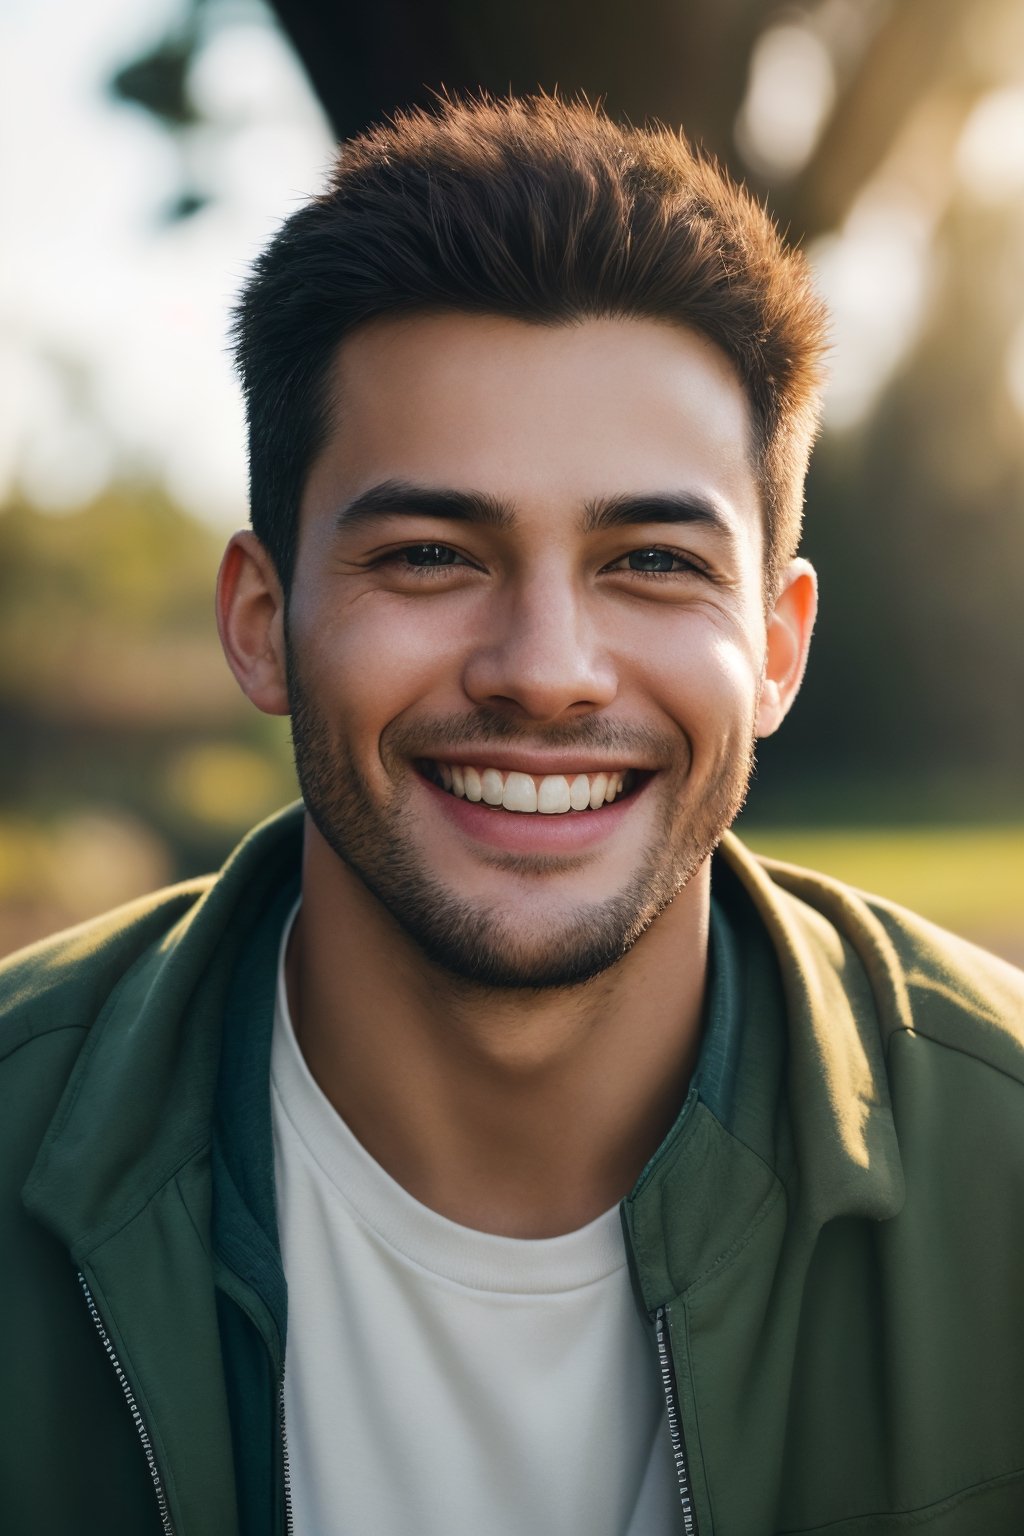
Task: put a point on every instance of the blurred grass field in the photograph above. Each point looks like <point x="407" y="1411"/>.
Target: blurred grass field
<point x="968" y="879"/>
<point x="129" y="758"/>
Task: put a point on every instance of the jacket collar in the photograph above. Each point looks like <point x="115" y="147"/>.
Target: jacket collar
<point x="819" y="988"/>
<point x="139" y="1103"/>
<point x="123" y="1180"/>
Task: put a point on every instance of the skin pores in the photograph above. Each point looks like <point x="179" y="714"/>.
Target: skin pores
<point x="466" y="597"/>
<point x="532" y="554"/>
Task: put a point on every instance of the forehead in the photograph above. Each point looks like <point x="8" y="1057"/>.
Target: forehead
<point x="546" y="417"/>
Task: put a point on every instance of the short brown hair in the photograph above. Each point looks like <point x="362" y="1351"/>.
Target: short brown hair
<point x="544" y="211"/>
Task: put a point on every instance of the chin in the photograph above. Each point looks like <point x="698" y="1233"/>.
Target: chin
<point x="477" y="944"/>
<point x="496" y="962"/>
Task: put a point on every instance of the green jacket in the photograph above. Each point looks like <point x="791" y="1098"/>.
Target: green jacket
<point x="829" y="1243"/>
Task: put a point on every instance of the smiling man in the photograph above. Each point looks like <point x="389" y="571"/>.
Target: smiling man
<point x="495" y="1146"/>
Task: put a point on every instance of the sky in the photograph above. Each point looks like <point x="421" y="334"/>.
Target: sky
<point x="113" y="321"/>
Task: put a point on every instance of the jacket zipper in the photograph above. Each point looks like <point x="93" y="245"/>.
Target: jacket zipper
<point x="286" y="1471"/>
<point x="675" y="1428"/>
<point x="668" y="1382"/>
<point x="129" y="1397"/>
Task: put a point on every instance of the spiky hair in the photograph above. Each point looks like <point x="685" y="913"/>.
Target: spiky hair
<point x="544" y="211"/>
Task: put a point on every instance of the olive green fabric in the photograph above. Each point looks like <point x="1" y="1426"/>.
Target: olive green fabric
<point x="113" y="1166"/>
<point x="835" y="1225"/>
<point x="842" y="1264"/>
<point x="252" y="1291"/>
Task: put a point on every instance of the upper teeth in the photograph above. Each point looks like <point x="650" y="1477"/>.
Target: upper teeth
<point x="551" y="795"/>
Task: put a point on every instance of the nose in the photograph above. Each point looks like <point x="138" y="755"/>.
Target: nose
<point x="543" y="656"/>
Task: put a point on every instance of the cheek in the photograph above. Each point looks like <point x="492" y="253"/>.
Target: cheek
<point x="705" y="676"/>
<point x="373" y="660"/>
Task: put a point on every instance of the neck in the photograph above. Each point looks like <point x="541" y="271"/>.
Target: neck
<point x="525" y="1113"/>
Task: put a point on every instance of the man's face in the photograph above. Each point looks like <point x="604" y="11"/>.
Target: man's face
<point x="529" y="570"/>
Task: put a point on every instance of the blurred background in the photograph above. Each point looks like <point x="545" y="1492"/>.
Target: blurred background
<point x="150" y="147"/>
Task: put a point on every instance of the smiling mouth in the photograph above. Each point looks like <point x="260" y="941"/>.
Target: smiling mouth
<point x="552" y="794"/>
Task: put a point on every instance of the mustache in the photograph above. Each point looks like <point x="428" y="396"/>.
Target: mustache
<point x="490" y="727"/>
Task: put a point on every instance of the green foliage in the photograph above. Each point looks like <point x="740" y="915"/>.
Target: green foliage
<point x="131" y="552"/>
<point x="130" y="755"/>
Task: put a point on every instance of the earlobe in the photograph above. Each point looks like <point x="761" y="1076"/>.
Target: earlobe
<point x="790" y="625"/>
<point x="250" y="620"/>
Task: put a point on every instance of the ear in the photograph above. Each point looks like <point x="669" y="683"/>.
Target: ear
<point x="790" y="623"/>
<point x="250" y="619"/>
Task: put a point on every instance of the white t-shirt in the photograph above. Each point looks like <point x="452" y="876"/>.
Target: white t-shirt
<point x="447" y="1382"/>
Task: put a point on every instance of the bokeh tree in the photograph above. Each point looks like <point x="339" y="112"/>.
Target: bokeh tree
<point x="888" y="137"/>
<point x="843" y="115"/>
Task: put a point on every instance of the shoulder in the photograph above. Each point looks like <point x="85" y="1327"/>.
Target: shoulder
<point x="62" y="983"/>
<point x="919" y="977"/>
<point x="68" y="981"/>
<point x="53" y="998"/>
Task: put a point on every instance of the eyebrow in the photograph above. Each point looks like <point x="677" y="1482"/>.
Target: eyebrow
<point x="400" y="498"/>
<point x="660" y="507"/>
<point x="397" y="498"/>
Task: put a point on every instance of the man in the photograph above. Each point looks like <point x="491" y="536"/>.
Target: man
<point x="497" y="1146"/>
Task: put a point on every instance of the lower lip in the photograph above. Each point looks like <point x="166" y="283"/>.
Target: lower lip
<point x="526" y="832"/>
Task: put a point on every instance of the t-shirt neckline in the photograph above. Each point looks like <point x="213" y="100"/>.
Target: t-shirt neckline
<point x="482" y="1261"/>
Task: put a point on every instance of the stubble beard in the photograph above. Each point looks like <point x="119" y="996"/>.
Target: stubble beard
<point x="473" y="942"/>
